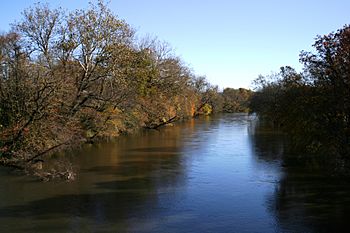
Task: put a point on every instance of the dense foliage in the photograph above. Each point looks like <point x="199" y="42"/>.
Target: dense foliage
<point x="313" y="107"/>
<point x="236" y="100"/>
<point x="69" y="78"/>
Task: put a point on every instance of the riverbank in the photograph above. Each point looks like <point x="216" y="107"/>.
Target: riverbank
<point x="63" y="85"/>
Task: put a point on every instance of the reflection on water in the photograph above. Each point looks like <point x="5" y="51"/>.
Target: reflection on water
<point x="312" y="201"/>
<point x="305" y="199"/>
<point x="213" y="174"/>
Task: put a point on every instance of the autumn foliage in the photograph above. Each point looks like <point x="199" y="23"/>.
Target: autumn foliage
<point x="72" y="77"/>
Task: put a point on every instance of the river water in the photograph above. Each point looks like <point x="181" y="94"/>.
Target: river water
<point x="213" y="174"/>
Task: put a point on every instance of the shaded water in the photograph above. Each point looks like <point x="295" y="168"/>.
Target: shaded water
<point x="215" y="174"/>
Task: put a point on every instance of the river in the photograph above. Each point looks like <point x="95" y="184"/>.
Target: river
<point x="212" y="174"/>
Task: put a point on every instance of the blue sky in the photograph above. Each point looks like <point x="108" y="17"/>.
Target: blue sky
<point x="229" y="41"/>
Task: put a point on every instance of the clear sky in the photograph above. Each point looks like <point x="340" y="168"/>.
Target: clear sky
<point x="229" y="41"/>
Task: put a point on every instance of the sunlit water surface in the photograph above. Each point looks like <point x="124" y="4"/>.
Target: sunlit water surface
<point x="212" y="174"/>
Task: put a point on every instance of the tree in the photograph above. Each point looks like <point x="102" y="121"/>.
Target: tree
<point x="313" y="107"/>
<point x="236" y="100"/>
<point x="68" y="78"/>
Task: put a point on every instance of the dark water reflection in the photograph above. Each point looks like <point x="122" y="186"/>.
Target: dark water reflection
<point x="306" y="198"/>
<point x="218" y="174"/>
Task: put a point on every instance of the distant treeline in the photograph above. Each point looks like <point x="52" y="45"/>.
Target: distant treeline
<point x="312" y="107"/>
<point x="72" y="77"/>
